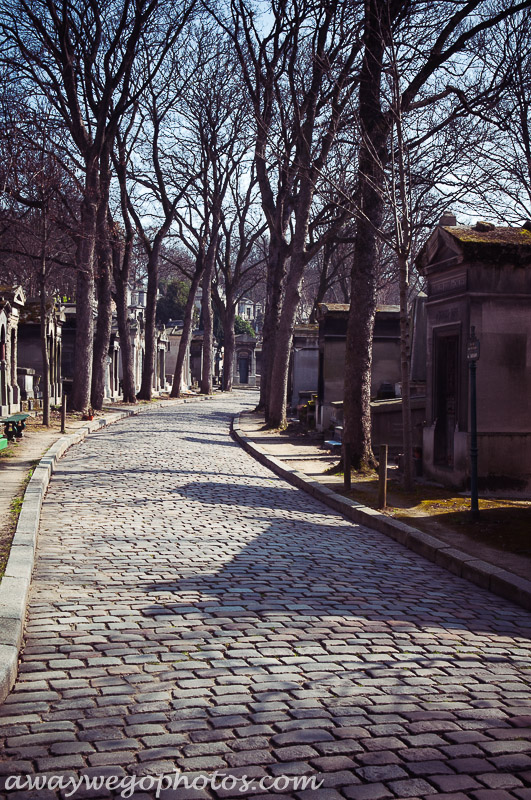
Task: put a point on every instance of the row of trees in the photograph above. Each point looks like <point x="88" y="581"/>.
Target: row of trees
<point x="310" y="145"/>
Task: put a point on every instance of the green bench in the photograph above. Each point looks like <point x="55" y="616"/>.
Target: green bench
<point x="13" y="426"/>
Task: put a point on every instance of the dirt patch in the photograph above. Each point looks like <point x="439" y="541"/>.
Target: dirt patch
<point x="9" y="523"/>
<point x="34" y="423"/>
<point x="501" y="535"/>
<point x="17" y="462"/>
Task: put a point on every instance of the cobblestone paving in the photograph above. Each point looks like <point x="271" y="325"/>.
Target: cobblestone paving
<point x="190" y="610"/>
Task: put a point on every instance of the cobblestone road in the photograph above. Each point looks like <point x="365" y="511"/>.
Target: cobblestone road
<point x="190" y="610"/>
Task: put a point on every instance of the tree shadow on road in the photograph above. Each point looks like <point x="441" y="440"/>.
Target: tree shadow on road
<point x="333" y="569"/>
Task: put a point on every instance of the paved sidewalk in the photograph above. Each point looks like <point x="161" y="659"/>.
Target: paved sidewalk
<point x="191" y="610"/>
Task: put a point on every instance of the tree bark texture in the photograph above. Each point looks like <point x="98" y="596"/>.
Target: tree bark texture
<point x="104" y="318"/>
<point x="103" y="281"/>
<point x="44" y="352"/>
<point x="121" y="270"/>
<point x="146" y="387"/>
<point x="121" y="256"/>
<point x="126" y="350"/>
<point x="187" y="326"/>
<point x="404" y="370"/>
<point x="229" y="344"/>
<point x="358" y="354"/>
<point x="276" y="416"/>
<point x="372" y="155"/>
<point x="103" y="331"/>
<point x="85" y="294"/>
<point x="276" y="267"/>
<point x="208" y="316"/>
<point x="279" y="368"/>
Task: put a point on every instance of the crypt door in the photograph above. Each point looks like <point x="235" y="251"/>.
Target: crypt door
<point x="445" y="400"/>
<point x="243" y="368"/>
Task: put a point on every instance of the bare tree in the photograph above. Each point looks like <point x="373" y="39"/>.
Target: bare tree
<point x="83" y="61"/>
<point x="440" y="47"/>
<point x="196" y="242"/>
<point x="150" y="186"/>
<point x="423" y="158"/>
<point x="504" y="152"/>
<point x="122" y="252"/>
<point x="239" y="269"/>
<point x="298" y="73"/>
<point x="215" y="158"/>
<point x="39" y="208"/>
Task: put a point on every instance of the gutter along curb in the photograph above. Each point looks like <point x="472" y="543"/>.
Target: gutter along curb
<point x="487" y="576"/>
<point x="16" y="582"/>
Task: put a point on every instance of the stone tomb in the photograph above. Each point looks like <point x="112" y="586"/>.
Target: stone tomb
<point x="30" y="350"/>
<point x="333" y="319"/>
<point x="12" y="301"/>
<point x="304" y="364"/>
<point x="162" y="345"/>
<point x="113" y="364"/>
<point x="175" y="332"/>
<point x="478" y="276"/>
<point x="244" y="371"/>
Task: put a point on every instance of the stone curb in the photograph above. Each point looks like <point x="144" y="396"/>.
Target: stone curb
<point x="15" y="584"/>
<point x="496" y="580"/>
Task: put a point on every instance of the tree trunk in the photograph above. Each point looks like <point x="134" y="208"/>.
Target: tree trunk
<point x="229" y="344"/>
<point x="146" y="387"/>
<point x="126" y="350"/>
<point x="85" y="295"/>
<point x="121" y="270"/>
<point x="103" y="255"/>
<point x="45" y="354"/>
<point x="187" y="327"/>
<point x="122" y="273"/>
<point x="404" y="370"/>
<point x="279" y="368"/>
<point x="104" y="318"/>
<point x="208" y="317"/>
<point x="323" y="284"/>
<point x="102" y="337"/>
<point x="276" y="266"/>
<point x="276" y="417"/>
<point x="358" y="351"/>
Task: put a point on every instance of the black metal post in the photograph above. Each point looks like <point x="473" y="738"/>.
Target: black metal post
<point x="347" y="482"/>
<point x="474" y="507"/>
<point x="63" y="413"/>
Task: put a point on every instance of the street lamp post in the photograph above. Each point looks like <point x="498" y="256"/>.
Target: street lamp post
<point x="472" y="354"/>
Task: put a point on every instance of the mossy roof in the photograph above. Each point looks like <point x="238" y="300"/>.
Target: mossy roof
<point x="306" y="326"/>
<point x="327" y="308"/>
<point x="497" y="236"/>
<point x="331" y="307"/>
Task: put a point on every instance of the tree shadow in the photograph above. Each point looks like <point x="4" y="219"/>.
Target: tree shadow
<point x="274" y="496"/>
<point x="336" y="570"/>
<point x="507" y="528"/>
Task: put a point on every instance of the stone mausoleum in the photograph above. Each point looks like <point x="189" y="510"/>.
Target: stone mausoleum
<point x="244" y="370"/>
<point x="12" y="301"/>
<point x="478" y="276"/>
<point x="304" y="364"/>
<point x="385" y="375"/>
<point x="30" y="350"/>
